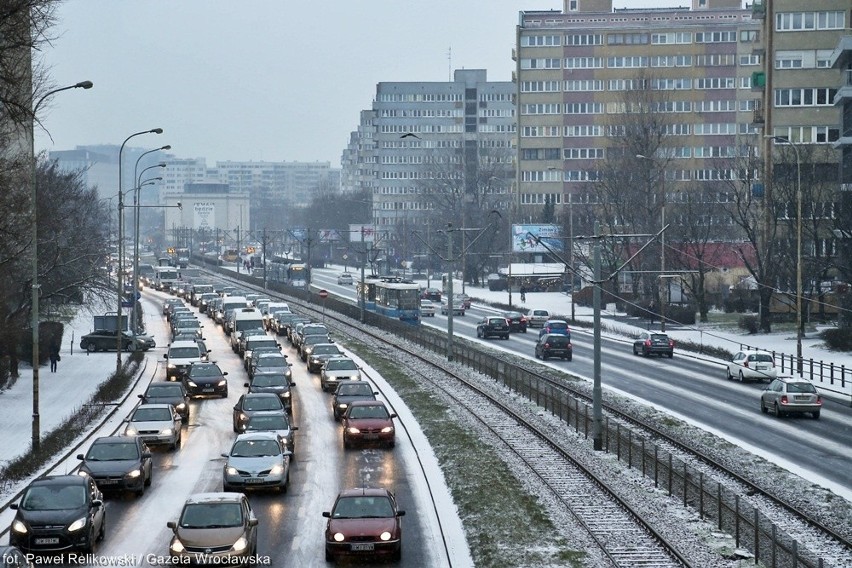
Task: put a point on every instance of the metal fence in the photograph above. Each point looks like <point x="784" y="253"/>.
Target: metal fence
<point x="836" y="379"/>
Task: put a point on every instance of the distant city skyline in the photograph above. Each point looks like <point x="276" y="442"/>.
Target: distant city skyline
<point x="264" y="80"/>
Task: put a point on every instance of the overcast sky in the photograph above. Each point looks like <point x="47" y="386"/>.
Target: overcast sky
<point x="266" y="80"/>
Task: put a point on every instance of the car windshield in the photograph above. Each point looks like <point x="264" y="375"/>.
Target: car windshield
<point x="371" y="411"/>
<point x="54" y="497"/>
<point x="113" y="451"/>
<point x="314" y="339"/>
<point x="496" y="321"/>
<point x="315" y="330"/>
<point x="211" y="515"/>
<point x="157" y="391"/>
<point x="270" y="402"/>
<point x="188" y="322"/>
<point x="274" y="422"/>
<point x="183" y="353"/>
<point x="355" y="389"/>
<point x="255" y="448"/>
<point x="326" y="350"/>
<point x="762" y="357"/>
<point x="801" y="387"/>
<point x="269" y="381"/>
<point x="659" y="337"/>
<point x="557" y="326"/>
<point x="205" y="371"/>
<point x="252" y="344"/>
<point x="160" y="414"/>
<point x="362" y="508"/>
<point x="341" y="365"/>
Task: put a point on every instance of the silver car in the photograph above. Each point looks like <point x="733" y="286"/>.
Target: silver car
<point x="257" y="460"/>
<point x="337" y="369"/>
<point x="155" y="424"/>
<point x="790" y="396"/>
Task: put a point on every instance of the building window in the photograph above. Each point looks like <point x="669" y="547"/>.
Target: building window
<point x="715" y="37"/>
<point x="543" y="63"/>
<point x="584" y="85"/>
<point x="572" y="5"/>
<point x="540" y="41"/>
<point x="626" y="62"/>
<point x="749" y="36"/>
<point x="584" y="39"/>
<point x="805" y="21"/>
<point x="804" y="97"/>
<point x="584" y="63"/>
<point x="628" y="39"/>
<point x="746" y="60"/>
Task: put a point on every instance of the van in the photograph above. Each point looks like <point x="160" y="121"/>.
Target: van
<point x="241" y="320"/>
<point x="229" y="303"/>
<point x="180" y="356"/>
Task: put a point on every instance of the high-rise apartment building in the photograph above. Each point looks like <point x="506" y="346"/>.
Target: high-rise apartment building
<point x="424" y="138"/>
<point x="582" y="71"/>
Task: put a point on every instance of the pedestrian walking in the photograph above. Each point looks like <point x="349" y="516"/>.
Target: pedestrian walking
<point x="523" y="294"/>
<point x="54" y="357"/>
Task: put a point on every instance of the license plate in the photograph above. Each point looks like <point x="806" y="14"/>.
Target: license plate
<point x="362" y="547"/>
<point x="253" y="480"/>
<point x="802" y="397"/>
<point x="54" y="540"/>
<point x="371" y="437"/>
<point x="209" y="389"/>
<point x="108" y="482"/>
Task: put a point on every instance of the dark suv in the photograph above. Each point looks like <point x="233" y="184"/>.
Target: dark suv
<point x="649" y="342"/>
<point x="492" y="326"/>
<point x="554" y="345"/>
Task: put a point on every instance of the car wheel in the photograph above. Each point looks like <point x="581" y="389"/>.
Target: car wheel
<point x="763" y="408"/>
<point x="102" y="531"/>
<point x="544" y="355"/>
<point x="90" y="348"/>
<point x="815" y="414"/>
<point x="645" y="352"/>
<point x="89" y="547"/>
<point x="148" y="479"/>
<point x="329" y="557"/>
<point x="778" y="412"/>
<point x="128" y="347"/>
<point x="634" y="351"/>
<point x="671" y="354"/>
<point x="506" y="336"/>
<point x="346" y="443"/>
<point x="397" y="556"/>
<point x="728" y="374"/>
<point x="141" y="491"/>
<point x="742" y="378"/>
<point x="524" y="330"/>
<point x="569" y="357"/>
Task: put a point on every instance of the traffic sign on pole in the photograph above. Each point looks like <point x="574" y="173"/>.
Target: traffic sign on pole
<point x="323" y="294"/>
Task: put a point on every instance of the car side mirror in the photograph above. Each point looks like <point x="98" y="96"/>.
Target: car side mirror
<point x="14" y="506"/>
<point x="224" y="373"/>
<point x="96" y="503"/>
<point x="326" y="514"/>
<point x="172" y="525"/>
<point x="375" y="392"/>
<point x="293" y="427"/>
<point x="165" y="355"/>
<point x="81" y="457"/>
<point x="236" y="407"/>
<point x="400" y="513"/>
<point x="293" y="384"/>
<point x="224" y="455"/>
<point x="146" y="455"/>
<point x="393" y="415"/>
<point x="246" y="385"/>
<point x="252" y="522"/>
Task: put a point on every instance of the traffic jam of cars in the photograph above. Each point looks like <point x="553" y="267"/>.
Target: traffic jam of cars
<point x="65" y="514"/>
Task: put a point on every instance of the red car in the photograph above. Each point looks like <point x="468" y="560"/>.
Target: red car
<point x="366" y="422"/>
<point x="364" y="522"/>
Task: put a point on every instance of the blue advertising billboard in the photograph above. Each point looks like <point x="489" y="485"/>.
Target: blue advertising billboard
<point x="524" y="238"/>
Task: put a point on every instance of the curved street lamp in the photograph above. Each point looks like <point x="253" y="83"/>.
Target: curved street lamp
<point x="121" y="245"/>
<point x="36" y="427"/>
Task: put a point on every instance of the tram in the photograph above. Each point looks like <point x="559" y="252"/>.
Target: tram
<point x="392" y="298"/>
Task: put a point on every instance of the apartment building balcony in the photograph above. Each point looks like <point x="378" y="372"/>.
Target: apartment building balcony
<point x="844" y="93"/>
<point x="758" y="9"/>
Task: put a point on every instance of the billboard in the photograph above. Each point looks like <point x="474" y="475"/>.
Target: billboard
<point x="362" y="233"/>
<point x="204" y="214"/>
<point x="328" y="235"/>
<point x="523" y="238"/>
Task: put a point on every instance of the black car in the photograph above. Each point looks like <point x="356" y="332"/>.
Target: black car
<point x="59" y="513"/>
<point x="492" y="326"/>
<point x="320" y="353"/>
<point x="517" y="321"/>
<point x="277" y="383"/>
<point x="554" y="345"/>
<point x="118" y="463"/>
<point x="107" y="340"/>
<point x="206" y="379"/>
<point x="168" y="393"/>
<point x="348" y="391"/>
<point x="650" y="342"/>
<point x="255" y="402"/>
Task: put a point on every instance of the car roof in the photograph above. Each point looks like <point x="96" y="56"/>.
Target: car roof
<point x="261" y="395"/>
<point x="114" y="439"/>
<point x="184" y="343"/>
<point x="365" y="492"/>
<point x="154" y="405"/>
<point x="367" y="403"/>
<point x="69" y="479"/>
<point x="262" y="413"/>
<point x="552" y="321"/>
<point x="220" y="497"/>
<point x="256" y="435"/>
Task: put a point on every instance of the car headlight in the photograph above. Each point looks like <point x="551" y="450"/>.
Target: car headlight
<point x="288" y="372"/>
<point x="385" y="535"/>
<point x="169" y="431"/>
<point x="191" y="383"/>
<point x="339" y="537"/>
<point x="222" y="383"/>
<point x="77" y="525"/>
<point x="181" y="406"/>
<point x="240" y="545"/>
<point x="19" y="527"/>
<point x="353" y="430"/>
<point x="243" y="417"/>
<point x="83" y="472"/>
<point x="285" y="394"/>
<point x="230" y="470"/>
<point x="130" y="431"/>
<point x="277" y="469"/>
<point x="387" y="429"/>
<point x="134" y="473"/>
<point x="176" y="546"/>
<point x="172" y="366"/>
<point x="342" y="406"/>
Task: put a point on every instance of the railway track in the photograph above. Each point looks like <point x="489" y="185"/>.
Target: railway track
<point x="657" y="549"/>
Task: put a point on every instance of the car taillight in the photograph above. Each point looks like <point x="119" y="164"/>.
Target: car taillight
<point x="523" y="320"/>
<point x="784" y="399"/>
<point x="671" y="343"/>
<point x="547" y="345"/>
<point x="745" y="363"/>
<point x="819" y="400"/>
<point x="647" y="343"/>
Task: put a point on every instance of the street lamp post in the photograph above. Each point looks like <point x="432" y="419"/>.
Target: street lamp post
<point x="662" y="291"/>
<point x="782" y="140"/>
<point x="121" y="247"/>
<point x="36" y="427"/>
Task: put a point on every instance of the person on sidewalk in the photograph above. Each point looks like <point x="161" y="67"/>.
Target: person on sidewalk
<point x="523" y="293"/>
<point x="54" y="357"/>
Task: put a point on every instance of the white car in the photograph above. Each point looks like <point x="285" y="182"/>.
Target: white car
<point x="752" y="365"/>
<point x="427" y="309"/>
<point x="345" y="278"/>
<point x="257" y="460"/>
<point x="458" y="307"/>
<point x="537" y="318"/>
<point x="155" y="424"/>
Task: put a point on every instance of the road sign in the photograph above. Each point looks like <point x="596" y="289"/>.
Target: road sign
<point x="323" y="294"/>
